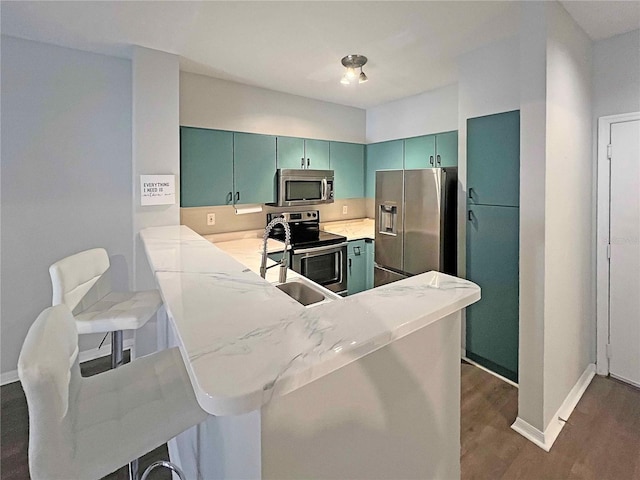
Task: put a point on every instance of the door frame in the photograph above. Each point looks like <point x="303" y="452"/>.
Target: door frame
<point x="602" y="237"/>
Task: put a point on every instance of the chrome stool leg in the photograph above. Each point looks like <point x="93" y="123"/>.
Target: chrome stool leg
<point x="134" y="474"/>
<point x="117" y="359"/>
<point x="117" y="348"/>
<point x="163" y="463"/>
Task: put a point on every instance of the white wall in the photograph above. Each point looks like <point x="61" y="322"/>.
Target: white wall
<point x="616" y="75"/>
<point x="156" y="144"/>
<point x="533" y="111"/>
<point x="430" y="112"/>
<point x="557" y="307"/>
<point x="569" y="309"/>
<point x="66" y="174"/>
<point x="212" y="103"/>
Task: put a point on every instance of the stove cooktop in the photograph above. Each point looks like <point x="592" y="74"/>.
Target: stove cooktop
<point x="305" y="230"/>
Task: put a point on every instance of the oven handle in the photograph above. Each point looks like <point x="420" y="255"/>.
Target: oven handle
<point x="319" y="249"/>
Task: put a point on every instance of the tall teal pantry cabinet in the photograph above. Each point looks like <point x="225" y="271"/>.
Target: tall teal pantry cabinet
<point x="493" y="193"/>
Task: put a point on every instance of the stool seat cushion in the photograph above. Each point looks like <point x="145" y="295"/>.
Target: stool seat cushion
<point x="85" y="428"/>
<point x="127" y="412"/>
<point x="119" y="311"/>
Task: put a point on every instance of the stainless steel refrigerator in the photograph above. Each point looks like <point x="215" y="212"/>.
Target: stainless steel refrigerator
<point x="416" y="227"/>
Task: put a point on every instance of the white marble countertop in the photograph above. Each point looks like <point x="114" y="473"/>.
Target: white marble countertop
<point x="352" y="229"/>
<point x="245" y="342"/>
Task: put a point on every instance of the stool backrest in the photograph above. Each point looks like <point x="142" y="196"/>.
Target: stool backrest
<point x="50" y="374"/>
<point x="79" y="280"/>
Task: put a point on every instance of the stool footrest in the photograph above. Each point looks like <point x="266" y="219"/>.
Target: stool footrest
<point x="163" y="463"/>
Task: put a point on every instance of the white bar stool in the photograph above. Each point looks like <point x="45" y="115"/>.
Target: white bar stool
<point x="80" y="283"/>
<point x="85" y="428"/>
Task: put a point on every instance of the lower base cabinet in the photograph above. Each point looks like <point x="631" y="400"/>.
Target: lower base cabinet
<point x="356" y="267"/>
<point x="359" y="266"/>
<point x="370" y="253"/>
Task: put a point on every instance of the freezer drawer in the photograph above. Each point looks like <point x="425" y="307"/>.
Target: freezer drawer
<point x="382" y="276"/>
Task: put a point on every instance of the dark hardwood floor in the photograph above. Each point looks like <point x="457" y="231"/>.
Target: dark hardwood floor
<point x="601" y="441"/>
<point x="14" y="431"/>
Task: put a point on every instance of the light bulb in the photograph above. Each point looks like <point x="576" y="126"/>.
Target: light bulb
<point x="351" y="73"/>
<point x="344" y="80"/>
<point x="362" y="78"/>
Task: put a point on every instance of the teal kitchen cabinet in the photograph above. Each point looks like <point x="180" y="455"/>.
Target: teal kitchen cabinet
<point x="382" y="156"/>
<point x="347" y="163"/>
<point x="493" y="159"/>
<point x="356" y="267"/>
<point x="316" y="153"/>
<point x="429" y="151"/>
<point x="254" y="168"/>
<point x="420" y="152"/>
<point x="492" y="263"/>
<point x="293" y="152"/>
<point x="290" y="152"/>
<point x="447" y="149"/>
<point x="369" y="250"/>
<point x="206" y="167"/>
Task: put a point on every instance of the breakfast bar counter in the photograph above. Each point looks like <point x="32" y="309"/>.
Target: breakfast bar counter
<point x="365" y="386"/>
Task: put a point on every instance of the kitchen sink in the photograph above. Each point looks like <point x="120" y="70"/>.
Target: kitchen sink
<point x="306" y="292"/>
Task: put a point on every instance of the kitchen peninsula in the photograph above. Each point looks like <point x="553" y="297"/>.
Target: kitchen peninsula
<point x="362" y="387"/>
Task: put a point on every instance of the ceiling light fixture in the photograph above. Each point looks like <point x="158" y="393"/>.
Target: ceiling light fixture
<point x="351" y="62"/>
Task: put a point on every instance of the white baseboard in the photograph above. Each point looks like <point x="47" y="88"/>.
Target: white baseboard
<point x="475" y="364"/>
<point x="85" y="356"/>
<point x="546" y="439"/>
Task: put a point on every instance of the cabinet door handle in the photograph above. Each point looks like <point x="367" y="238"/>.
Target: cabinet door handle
<point x="302" y="162"/>
<point x="237" y="196"/>
<point x="471" y="193"/>
<point x="431" y="160"/>
<point x="470" y="215"/>
<point x="438" y="160"/>
<point x="356" y="251"/>
<point x="350" y="266"/>
<point x="308" y="163"/>
<point x="230" y="197"/>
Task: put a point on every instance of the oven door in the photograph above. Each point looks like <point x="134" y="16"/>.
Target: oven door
<point x="326" y="265"/>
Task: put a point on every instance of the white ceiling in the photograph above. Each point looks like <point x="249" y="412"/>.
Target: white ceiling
<point x="296" y="47"/>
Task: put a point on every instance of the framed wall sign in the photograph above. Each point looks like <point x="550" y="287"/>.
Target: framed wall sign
<point x="157" y="189"/>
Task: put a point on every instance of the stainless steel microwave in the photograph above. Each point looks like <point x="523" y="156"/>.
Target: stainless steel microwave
<point x="304" y="187"/>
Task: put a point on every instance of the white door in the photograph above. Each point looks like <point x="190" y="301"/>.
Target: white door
<point x="624" y="237"/>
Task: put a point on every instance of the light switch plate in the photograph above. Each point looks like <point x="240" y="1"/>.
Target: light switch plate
<point x="344" y="209"/>
<point x="211" y="218"/>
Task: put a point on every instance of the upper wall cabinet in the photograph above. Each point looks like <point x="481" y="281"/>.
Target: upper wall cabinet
<point x="347" y="163"/>
<point x="302" y="153"/>
<point x="420" y="152"/>
<point x="316" y="153"/>
<point x="430" y="151"/>
<point x="447" y="149"/>
<point x="206" y="167"/>
<point x="254" y="161"/>
<point x="493" y="160"/>
<point x="290" y="152"/>
<point x="225" y="168"/>
<point x="382" y="156"/>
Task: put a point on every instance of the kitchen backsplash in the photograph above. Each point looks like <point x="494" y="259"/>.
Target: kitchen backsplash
<point x="227" y="220"/>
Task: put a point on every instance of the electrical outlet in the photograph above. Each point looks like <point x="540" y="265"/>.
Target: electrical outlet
<point x="344" y="209"/>
<point x="211" y="218"/>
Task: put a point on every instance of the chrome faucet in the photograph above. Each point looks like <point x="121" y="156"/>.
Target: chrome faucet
<point x="287" y="241"/>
